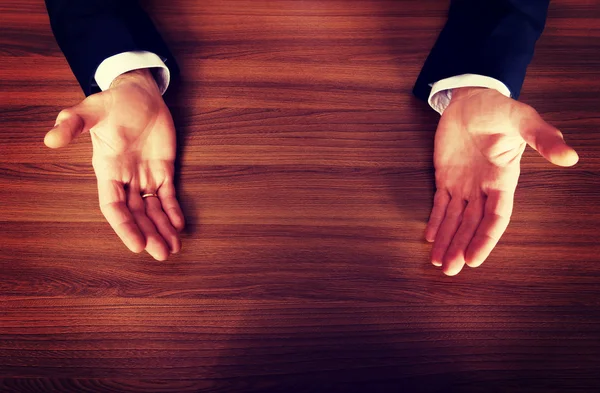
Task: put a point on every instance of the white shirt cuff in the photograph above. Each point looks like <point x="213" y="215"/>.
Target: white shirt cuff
<point x="124" y="62"/>
<point x="441" y="91"/>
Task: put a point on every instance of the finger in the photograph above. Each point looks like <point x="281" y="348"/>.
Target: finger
<point x="155" y="244"/>
<point x="73" y="121"/>
<point x="454" y="260"/>
<point x="447" y="230"/>
<point x="113" y="205"/>
<point x="170" y="206"/>
<point x="440" y="203"/>
<point x="160" y="220"/>
<point x="498" y="209"/>
<point x="548" y="141"/>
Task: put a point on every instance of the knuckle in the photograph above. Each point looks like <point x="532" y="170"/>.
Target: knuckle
<point x="453" y="214"/>
<point x="65" y="114"/>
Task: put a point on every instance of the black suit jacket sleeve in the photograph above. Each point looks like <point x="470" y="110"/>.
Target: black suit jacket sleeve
<point x="495" y="38"/>
<point x="90" y="31"/>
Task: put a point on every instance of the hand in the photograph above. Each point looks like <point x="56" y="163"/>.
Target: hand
<point x="478" y="147"/>
<point x="133" y="140"/>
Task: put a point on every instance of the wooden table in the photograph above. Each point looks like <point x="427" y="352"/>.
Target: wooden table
<point x="306" y="178"/>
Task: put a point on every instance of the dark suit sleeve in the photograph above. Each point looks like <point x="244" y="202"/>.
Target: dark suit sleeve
<point x="495" y="38"/>
<point x="89" y="31"/>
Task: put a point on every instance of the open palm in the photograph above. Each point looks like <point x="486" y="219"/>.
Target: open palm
<point x="134" y="146"/>
<point x="478" y="147"/>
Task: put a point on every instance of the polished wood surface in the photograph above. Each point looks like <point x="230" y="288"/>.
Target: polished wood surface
<point x="306" y="178"/>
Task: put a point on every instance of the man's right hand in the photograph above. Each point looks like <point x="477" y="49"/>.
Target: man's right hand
<point x="133" y="140"/>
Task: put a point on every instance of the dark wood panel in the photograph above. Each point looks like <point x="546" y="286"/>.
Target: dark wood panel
<point x="306" y="179"/>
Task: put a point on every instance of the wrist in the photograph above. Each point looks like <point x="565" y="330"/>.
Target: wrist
<point x="142" y="77"/>
<point x="462" y="92"/>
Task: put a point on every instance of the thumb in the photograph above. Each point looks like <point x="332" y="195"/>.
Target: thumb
<point x="548" y="141"/>
<point x="73" y="121"/>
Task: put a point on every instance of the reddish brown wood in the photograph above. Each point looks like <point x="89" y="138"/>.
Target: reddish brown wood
<point x="306" y="179"/>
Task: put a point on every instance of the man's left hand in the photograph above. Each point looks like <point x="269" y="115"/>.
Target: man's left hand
<point x="479" y="142"/>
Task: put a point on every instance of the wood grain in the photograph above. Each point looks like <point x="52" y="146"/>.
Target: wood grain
<point x="306" y="179"/>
